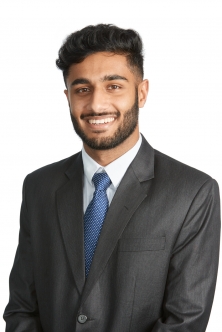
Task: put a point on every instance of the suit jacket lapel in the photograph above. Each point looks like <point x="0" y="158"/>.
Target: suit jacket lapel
<point x="70" y="212"/>
<point x="127" y="199"/>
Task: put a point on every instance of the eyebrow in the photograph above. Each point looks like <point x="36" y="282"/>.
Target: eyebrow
<point x="113" y="78"/>
<point x="83" y="80"/>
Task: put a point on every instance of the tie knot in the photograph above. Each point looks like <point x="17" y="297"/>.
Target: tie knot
<point x="101" y="181"/>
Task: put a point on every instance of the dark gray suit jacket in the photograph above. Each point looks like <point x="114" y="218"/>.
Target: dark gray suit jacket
<point x="156" y="263"/>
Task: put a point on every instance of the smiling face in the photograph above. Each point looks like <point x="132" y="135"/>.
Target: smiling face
<point x="104" y="97"/>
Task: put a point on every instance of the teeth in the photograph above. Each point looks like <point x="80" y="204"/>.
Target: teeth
<point x="106" y="120"/>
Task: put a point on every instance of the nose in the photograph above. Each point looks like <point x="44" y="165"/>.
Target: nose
<point x="98" y="102"/>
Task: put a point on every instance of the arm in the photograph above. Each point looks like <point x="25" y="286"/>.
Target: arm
<point x="21" y="313"/>
<point x="193" y="266"/>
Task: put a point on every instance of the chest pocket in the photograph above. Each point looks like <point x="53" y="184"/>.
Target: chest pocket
<point x="142" y="244"/>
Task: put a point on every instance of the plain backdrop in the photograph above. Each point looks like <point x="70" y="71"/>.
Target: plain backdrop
<point x="182" y="117"/>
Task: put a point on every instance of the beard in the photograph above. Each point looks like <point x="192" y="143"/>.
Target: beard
<point x="124" y="130"/>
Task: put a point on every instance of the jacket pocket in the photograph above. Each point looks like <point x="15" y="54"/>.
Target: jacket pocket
<point x="143" y="244"/>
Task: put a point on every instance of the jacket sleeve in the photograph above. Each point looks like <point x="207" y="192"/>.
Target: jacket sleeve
<point x="193" y="266"/>
<point x="21" y="313"/>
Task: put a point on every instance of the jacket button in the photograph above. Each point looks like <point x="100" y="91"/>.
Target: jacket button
<point x="82" y="319"/>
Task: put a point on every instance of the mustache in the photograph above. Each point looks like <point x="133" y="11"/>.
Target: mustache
<point x="116" y="114"/>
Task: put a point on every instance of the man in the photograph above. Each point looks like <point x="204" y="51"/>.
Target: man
<point x="118" y="237"/>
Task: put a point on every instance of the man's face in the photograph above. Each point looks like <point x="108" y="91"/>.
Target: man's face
<point x="103" y="99"/>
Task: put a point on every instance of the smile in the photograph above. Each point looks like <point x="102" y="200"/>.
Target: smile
<point x="100" y="121"/>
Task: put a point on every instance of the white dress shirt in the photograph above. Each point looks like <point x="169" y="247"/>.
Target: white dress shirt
<point x="115" y="171"/>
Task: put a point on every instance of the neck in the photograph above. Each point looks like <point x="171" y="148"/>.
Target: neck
<point x="105" y="157"/>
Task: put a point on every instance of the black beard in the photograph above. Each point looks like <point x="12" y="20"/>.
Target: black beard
<point x="125" y="129"/>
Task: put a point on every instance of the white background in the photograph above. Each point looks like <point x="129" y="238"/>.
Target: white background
<point x="182" y="117"/>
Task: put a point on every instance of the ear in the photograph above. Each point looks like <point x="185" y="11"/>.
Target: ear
<point x="143" y="89"/>
<point x="66" y="93"/>
<point x="67" y="96"/>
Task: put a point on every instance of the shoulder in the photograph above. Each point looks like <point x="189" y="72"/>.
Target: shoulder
<point x="53" y="174"/>
<point x="179" y="168"/>
<point x="179" y="177"/>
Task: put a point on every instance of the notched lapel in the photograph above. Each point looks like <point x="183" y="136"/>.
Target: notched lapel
<point x="128" y="197"/>
<point x="70" y="212"/>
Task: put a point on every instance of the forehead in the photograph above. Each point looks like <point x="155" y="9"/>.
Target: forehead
<point x="100" y="64"/>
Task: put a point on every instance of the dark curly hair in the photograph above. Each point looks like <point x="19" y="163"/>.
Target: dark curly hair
<point x="101" y="38"/>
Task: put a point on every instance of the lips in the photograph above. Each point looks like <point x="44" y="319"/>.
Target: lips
<point x="100" y="121"/>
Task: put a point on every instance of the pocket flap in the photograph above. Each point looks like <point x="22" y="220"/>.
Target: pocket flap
<point x="143" y="244"/>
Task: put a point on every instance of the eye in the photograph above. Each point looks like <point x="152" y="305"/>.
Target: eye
<point x="82" y="90"/>
<point x="114" y="87"/>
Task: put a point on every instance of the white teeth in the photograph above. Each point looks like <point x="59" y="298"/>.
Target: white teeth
<point x="106" y="120"/>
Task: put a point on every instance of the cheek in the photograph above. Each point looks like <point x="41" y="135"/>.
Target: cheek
<point x="76" y="106"/>
<point x="75" y="112"/>
<point x="79" y="105"/>
<point x="124" y="103"/>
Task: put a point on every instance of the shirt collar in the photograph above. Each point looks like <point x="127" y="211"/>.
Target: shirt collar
<point x="115" y="170"/>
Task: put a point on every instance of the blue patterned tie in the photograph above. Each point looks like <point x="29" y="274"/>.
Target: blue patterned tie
<point x="94" y="216"/>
